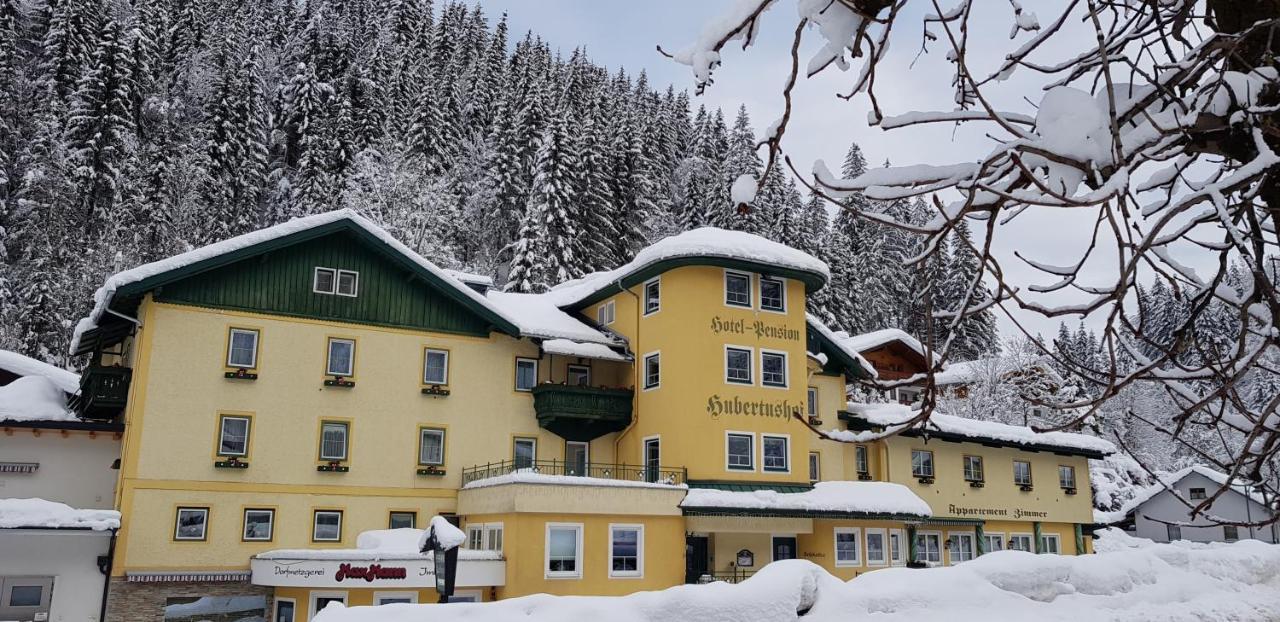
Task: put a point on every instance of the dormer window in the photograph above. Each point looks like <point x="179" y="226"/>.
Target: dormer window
<point x="334" y="281"/>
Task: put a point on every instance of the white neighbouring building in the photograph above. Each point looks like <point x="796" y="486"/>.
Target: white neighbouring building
<point x="57" y="491"/>
<point x="1162" y="511"/>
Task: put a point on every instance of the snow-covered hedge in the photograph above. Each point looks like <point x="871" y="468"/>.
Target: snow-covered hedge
<point x="1129" y="579"/>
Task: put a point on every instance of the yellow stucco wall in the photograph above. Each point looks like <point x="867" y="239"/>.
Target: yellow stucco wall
<point x="690" y="332"/>
<point x="525" y="535"/>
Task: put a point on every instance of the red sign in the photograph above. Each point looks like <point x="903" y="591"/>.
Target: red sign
<point x="369" y="573"/>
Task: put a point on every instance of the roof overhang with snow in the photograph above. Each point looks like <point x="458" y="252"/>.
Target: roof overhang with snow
<point x="839" y="358"/>
<point x="812" y="280"/>
<point x="122" y="292"/>
<point x="863" y="500"/>
<point x="988" y="433"/>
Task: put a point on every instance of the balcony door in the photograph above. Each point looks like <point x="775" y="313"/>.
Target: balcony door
<point x="576" y="457"/>
<point x="652" y="458"/>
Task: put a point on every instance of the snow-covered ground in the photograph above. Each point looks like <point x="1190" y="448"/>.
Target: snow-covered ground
<point x="1129" y="579"/>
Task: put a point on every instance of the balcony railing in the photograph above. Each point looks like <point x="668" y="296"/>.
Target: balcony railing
<point x="104" y="391"/>
<point x="731" y="576"/>
<point x="579" y="413"/>
<point x="627" y="472"/>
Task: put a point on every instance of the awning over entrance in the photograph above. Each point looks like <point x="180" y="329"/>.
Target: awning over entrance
<point x="858" y="500"/>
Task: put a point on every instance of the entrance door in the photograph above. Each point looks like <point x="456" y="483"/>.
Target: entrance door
<point x="695" y="558"/>
<point x="25" y="599"/>
<point x="652" y="458"/>
<point x="575" y="458"/>
<point x="784" y="547"/>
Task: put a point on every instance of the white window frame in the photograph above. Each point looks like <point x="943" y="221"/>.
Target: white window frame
<point x="786" y="369"/>
<point x="576" y="367"/>
<point x="222" y="434"/>
<point x="1072" y="469"/>
<point x="988" y="536"/>
<point x="1192" y="495"/>
<point x="231" y="341"/>
<point x="861" y="460"/>
<point x="898" y="555"/>
<point x="857" y="546"/>
<point x="426" y="355"/>
<point x="751" y="374"/>
<point x="177" y="523"/>
<point x="782" y="283"/>
<point x="586" y="454"/>
<point x="576" y="573"/>
<point x="516" y="380"/>
<point x="244" y="525"/>
<point x="951" y="551"/>
<point x="1030" y="478"/>
<point x="275" y="608"/>
<point x="982" y="468"/>
<point x="475" y="536"/>
<point x="751" y="453"/>
<point x="315" y="595"/>
<point x="811" y="401"/>
<point x="606" y="313"/>
<point x="815" y="467"/>
<point x="398" y="594"/>
<point x="328" y="357"/>
<point x="657" y="355"/>
<point x="315" y="280"/>
<point x="932" y="469"/>
<point x="422" y="433"/>
<point x="533" y="458"/>
<point x="638" y="573"/>
<point x="1030" y="538"/>
<point x="1057" y="543"/>
<point x="355" y="283"/>
<point x="315" y="522"/>
<point x="412" y="514"/>
<point x="884" y="546"/>
<point x="346" y="441"/>
<point x="750" y="289"/>
<point x="786" y="457"/>
<point x="489" y="530"/>
<point x="655" y="281"/>
<point x="920" y="550"/>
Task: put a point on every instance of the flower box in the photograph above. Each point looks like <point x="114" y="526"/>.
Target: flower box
<point x="977" y="484"/>
<point x="333" y="467"/>
<point x="925" y="480"/>
<point x="436" y="390"/>
<point x="864" y="477"/>
<point x="339" y="381"/>
<point x="240" y="374"/>
<point x="431" y="470"/>
<point x="1069" y="491"/>
<point x="231" y="463"/>
<point x="1025" y="488"/>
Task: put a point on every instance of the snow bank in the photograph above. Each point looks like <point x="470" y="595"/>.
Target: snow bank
<point x="586" y="350"/>
<point x="701" y="242"/>
<point x="383" y="544"/>
<point x="1129" y="579"/>
<point x="16" y="513"/>
<point x="886" y="415"/>
<point x="528" y="476"/>
<point x="33" y="398"/>
<point x="21" y="365"/>
<point x="447" y="536"/>
<point x="538" y="316"/>
<point x="860" y="497"/>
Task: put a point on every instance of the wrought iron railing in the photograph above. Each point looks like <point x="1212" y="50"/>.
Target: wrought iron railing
<point x="628" y="472"/>
<point x="730" y="576"/>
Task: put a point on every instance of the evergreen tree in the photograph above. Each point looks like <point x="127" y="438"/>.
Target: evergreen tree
<point x="544" y="250"/>
<point x="741" y="159"/>
<point x="975" y="336"/>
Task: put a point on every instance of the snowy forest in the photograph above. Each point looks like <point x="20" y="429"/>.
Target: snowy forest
<point x="133" y="130"/>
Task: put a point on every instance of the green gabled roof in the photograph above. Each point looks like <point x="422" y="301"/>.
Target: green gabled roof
<point x="122" y="292"/>
<point x="735" y="486"/>
<point x="839" y="360"/>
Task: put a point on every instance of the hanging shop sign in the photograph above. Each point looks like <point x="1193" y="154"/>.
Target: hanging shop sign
<point x="351" y="573"/>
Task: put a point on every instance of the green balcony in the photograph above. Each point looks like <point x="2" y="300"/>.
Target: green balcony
<point x="103" y="392"/>
<point x="577" y="413"/>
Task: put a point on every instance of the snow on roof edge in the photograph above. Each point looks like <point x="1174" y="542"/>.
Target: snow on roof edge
<point x="835" y="496"/>
<point x="23" y="365"/>
<point x="895" y="414"/>
<point x="831" y="336"/>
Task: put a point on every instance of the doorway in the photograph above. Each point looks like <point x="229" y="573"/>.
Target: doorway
<point x="784" y="547"/>
<point x="652" y="458"/>
<point x="696" y="561"/>
<point x="576" y="457"/>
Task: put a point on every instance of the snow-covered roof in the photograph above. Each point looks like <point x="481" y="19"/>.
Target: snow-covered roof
<point x="585" y="350"/>
<point x="533" y="320"/>
<point x="875" y="339"/>
<point x="470" y="278"/>
<point x="527" y="476"/>
<point x="833" y="497"/>
<point x="704" y="242"/>
<point x="538" y="316"/>
<point x="42" y="514"/>
<point x="34" y="398"/>
<point x="1167" y="481"/>
<point x="383" y="544"/>
<point x="968" y="372"/>
<point x="889" y="415"/>
<point x="21" y="365"/>
<point x="840" y="343"/>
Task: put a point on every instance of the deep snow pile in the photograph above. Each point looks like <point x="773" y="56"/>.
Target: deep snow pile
<point x="39" y="513"/>
<point x="1129" y="579"/>
<point x="33" y="398"/>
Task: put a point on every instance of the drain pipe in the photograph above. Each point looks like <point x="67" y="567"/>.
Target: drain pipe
<point x="105" y="566"/>
<point x="635" y="376"/>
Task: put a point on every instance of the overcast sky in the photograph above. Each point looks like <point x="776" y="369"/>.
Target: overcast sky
<point x="625" y="34"/>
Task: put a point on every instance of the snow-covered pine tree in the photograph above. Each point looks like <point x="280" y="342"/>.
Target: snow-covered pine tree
<point x="975" y="336"/>
<point x="741" y="158"/>
<point x="597" y="207"/>
<point x="544" y="251"/>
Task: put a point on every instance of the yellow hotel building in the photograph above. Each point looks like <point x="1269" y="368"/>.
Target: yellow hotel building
<point x="284" y="391"/>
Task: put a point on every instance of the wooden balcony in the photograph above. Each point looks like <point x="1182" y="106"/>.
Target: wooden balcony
<point x="578" y="413"/>
<point x="104" y="391"/>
